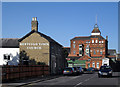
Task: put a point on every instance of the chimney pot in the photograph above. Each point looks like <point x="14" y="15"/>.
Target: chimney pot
<point x="34" y="24"/>
<point x="106" y="37"/>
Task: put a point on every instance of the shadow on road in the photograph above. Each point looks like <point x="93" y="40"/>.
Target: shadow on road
<point x="115" y="77"/>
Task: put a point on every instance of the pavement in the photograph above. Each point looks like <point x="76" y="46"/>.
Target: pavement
<point x="27" y="81"/>
<point x="83" y="80"/>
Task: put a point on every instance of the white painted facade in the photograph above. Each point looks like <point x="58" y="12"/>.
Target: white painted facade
<point x="105" y="61"/>
<point x="12" y="52"/>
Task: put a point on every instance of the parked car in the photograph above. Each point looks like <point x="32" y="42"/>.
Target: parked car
<point x="96" y="69"/>
<point x="68" y="71"/>
<point x="90" y="70"/>
<point x="105" y="71"/>
<point x="76" y="70"/>
<point x="84" y="70"/>
<point x="80" y="70"/>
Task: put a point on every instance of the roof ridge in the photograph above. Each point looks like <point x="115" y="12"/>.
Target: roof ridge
<point x="81" y="36"/>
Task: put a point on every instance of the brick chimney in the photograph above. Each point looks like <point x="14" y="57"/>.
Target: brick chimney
<point x="34" y="24"/>
<point x="106" y="37"/>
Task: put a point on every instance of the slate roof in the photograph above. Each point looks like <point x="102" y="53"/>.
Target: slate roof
<point x="73" y="57"/>
<point x="96" y="29"/>
<point x="111" y="52"/>
<point x="88" y="37"/>
<point x="9" y="43"/>
<point x="68" y="49"/>
<point x="41" y="34"/>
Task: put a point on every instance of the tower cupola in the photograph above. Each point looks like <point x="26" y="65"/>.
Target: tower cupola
<point x="96" y="30"/>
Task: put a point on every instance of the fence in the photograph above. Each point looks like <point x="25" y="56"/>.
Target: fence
<point x="10" y="72"/>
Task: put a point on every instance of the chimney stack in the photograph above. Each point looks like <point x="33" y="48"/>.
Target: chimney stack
<point x="34" y="24"/>
<point x="106" y="37"/>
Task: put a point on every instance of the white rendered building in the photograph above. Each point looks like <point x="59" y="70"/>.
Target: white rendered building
<point x="9" y="51"/>
<point x="105" y="61"/>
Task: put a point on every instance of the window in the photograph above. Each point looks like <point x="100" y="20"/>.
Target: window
<point x="93" y="64"/>
<point x="97" y="64"/>
<point x="80" y="46"/>
<point x="6" y="57"/>
<point x="87" y="46"/>
<point x="87" y="51"/>
<point x="96" y="41"/>
<point x="80" y="52"/>
<point x="73" y="45"/>
<point x="102" y="41"/>
<point x="73" y="41"/>
<point x="99" y="41"/>
<point x="101" y="52"/>
<point x="92" y="41"/>
<point x="90" y="50"/>
<point x="87" y="41"/>
<point x="94" y="52"/>
<point x="97" y="50"/>
<point x="74" y="52"/>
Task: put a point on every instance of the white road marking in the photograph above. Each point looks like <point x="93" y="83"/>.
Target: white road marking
<point x="84" y="81"/>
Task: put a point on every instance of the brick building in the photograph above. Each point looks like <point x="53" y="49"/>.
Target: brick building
<point x="37" y="48"/>
<point x="88" y="51"/>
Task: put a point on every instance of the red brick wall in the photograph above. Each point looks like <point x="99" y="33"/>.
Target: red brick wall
<point x="93" y="46"/>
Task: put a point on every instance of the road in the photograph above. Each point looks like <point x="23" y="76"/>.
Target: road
<point x="84" y="80"/>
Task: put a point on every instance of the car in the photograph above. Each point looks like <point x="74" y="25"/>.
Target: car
<point x="90" y="70"/>
<point x="105" y="71"/>
<point x="84" y="70"/>
<point x="96" y="69"/>
<point x="76" y="71"/>
<point x="80" y="70"/>
<point x="68" y="71"/>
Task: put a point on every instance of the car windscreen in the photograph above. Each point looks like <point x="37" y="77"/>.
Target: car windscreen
<point x="105" y="68"/>
<point x="75" y="68"/>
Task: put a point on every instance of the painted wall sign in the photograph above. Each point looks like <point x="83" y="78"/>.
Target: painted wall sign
<point x="34" y="45"/>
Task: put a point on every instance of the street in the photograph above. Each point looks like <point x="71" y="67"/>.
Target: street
<point x="81" y="80"/>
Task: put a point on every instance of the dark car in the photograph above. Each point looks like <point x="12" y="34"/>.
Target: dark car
<point x="105" y="71"/>
<point x="84" y="70"/>
<point x="76" y="70"/>
<point x="68" y="71"/>
<point x="96" y="69"/>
